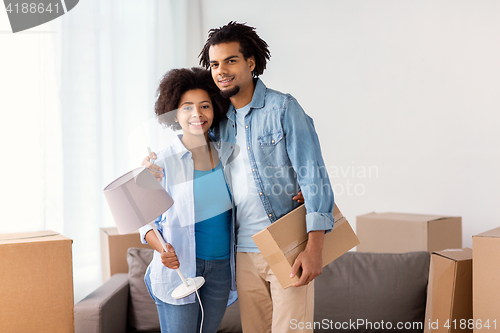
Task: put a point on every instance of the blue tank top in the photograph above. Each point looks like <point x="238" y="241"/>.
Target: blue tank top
<point x="212" y="211"/>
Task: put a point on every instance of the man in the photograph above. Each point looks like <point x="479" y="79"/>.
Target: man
<point x="279" y="155"/>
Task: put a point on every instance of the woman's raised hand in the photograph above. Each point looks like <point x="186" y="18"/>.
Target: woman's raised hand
<point x="154" y="169"/>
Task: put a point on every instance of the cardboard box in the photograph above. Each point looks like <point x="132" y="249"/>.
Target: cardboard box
<point x="283" y="240"/>
<point x="449" y="292"/>
<point x="36" y="283"/>
<point x="114" y="251"/>
<point x="398" y="233"/>
<point x="486" y="275"/>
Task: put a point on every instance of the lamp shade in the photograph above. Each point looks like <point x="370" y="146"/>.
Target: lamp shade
<point x="135" y="199"/>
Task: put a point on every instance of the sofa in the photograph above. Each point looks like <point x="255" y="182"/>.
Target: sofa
<point x="358" y="292"/>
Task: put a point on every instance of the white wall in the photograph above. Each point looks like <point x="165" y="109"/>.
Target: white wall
<point x="409" y="90"/>
<point x="406" y="93"/>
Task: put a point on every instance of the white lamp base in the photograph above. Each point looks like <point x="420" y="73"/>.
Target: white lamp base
<point x="192" y="285"/>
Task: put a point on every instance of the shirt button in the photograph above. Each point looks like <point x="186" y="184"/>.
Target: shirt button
<point x="248" y="147"/>
<point x="260" y="193"/>
<point x="270" y="215"/>
<point x="231" y="147"/>
<point x="246" y="126"/>
<point x="272" y="141"/>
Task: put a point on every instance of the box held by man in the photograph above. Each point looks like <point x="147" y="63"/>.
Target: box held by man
<point x="282" y="241"/>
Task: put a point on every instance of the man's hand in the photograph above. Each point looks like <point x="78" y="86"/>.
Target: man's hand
<point x="299" y="197"/>
<point x="169" y="258"/>
<point x="311" y="259"/>
<point x="154" y="169"/>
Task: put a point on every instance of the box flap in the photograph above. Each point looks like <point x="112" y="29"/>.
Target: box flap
<point x="490" y="233"/>
<point x="456" y="254"/>
<point x="439" y="290"/>
<point x="404" y="217"/>
<point x="462" y="298"/>
<point x="27" y="235"/>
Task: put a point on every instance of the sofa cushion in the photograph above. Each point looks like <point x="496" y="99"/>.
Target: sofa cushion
<point x="142" y="313"/>
<point x="373" y="289"/>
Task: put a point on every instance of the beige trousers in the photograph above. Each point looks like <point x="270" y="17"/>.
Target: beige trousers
<point x="265" y="306"/>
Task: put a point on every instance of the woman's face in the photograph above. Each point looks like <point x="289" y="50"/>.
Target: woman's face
<point x="195" y="113"/>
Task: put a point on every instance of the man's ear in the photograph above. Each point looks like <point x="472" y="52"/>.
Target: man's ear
<point x="251" y="62"/>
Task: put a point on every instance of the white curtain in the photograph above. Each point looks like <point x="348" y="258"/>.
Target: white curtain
<point x="30" y="136"/>
<point x="78" y="113"/>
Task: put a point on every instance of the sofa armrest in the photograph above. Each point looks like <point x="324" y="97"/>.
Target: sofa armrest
<point x="105" y="309"/>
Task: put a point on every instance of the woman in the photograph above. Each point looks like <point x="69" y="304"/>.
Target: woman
<point x="199" y="226"/>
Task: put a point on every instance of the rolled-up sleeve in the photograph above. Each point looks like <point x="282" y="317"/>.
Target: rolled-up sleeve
<point x="319" y="221"/>
<point x="143" y="231"/>
<point x="304" y="150"/>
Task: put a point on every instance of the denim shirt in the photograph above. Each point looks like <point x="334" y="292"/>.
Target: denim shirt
<point x="177" y="225"/>
<point x="285" y="156"/>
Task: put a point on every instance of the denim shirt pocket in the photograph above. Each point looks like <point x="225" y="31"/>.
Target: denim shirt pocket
<point x="273" y="148"/>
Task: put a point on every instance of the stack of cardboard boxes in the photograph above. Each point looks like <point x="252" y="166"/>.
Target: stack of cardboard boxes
<point x="450" y="289"/>
<point x="36" y="280"/>
<point x="463" y="291"/>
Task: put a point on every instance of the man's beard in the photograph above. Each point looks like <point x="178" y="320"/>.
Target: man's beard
<point x="228" y="93"/>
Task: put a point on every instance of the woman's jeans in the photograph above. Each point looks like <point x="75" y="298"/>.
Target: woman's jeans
<point x="214" y="296"/>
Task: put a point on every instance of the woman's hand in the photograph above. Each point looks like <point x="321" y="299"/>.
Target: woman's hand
<point x="154" y="169"/>
<point x="169" y="258"/>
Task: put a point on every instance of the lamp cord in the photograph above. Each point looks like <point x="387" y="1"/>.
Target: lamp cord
<point x="199" y="301"/>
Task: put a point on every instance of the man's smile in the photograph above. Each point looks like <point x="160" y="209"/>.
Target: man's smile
<point x="226" y="81"/>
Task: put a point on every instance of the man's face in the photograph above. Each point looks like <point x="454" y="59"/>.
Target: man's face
<point x="230" y="71"/>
